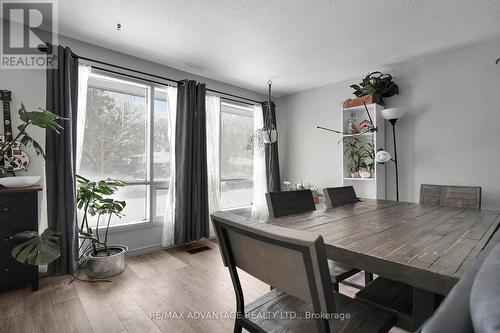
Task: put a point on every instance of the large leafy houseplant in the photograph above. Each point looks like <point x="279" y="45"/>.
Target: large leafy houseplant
<point x="43" y="119"/>
<point x="372" y="89"/>
<point x="376" y="83"/>
<point x="93" y="198"/>
<point x="37" y="249"/>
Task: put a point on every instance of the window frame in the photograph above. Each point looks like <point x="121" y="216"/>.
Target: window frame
<point x="151" y="219"/>
<point x="234" y="104"/>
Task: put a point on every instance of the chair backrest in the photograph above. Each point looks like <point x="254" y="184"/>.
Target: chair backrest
<point x="290" y="202"/>
<point x="451" y="196"/>
<point x="339" y="196"/>
<point x="292" y="261"/>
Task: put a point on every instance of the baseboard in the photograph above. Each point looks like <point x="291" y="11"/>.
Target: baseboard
<point x="143" y="250"/>
<point x="158" y="247"/>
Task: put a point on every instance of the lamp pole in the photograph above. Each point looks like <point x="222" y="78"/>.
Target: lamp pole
<point x="393" y="123"/>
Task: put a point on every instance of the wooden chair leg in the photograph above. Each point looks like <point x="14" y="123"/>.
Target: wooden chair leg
<point x="368" y="278"/>
<point x="238" y="328"/>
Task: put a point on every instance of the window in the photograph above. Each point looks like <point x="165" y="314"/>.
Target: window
<point x="236" y="155"/>
<point x="126" y="136"/>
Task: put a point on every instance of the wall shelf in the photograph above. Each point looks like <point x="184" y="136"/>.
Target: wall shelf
<point x="359" y="135"/>
<point x="373" y="187"/>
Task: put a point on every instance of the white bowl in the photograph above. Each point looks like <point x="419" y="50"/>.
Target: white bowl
<point x="19" y="181"/>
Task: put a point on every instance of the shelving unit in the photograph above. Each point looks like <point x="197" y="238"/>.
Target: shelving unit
<point x="373" y="187"/>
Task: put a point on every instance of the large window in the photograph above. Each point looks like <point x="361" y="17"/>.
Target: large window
<point x="126" y="136"/>
<point x="236" y="155"/>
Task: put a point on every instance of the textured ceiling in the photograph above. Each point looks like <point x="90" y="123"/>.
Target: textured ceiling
<point x="298" y="44"/>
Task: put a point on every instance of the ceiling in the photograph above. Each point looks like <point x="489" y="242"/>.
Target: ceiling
<point x="299" y="44"/>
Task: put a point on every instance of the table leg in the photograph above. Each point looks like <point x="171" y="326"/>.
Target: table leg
<point x="423" y="306"/>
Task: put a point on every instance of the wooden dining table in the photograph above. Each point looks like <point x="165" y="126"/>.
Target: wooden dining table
<point x="427" y="247"/>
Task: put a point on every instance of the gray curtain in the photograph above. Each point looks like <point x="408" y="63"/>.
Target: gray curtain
<point x="191" y="188"/>
<point x="62" y="99"/>
<point x="271" y="151"/>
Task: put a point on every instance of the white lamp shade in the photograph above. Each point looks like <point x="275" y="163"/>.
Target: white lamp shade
<point x="382" y="156"/>
<point x="393" y="113"/>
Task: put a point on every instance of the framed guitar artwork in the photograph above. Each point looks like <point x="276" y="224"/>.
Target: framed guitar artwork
<point x="16" y="159"/>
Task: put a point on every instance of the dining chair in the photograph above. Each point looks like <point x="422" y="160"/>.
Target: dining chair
<point x="340" y="196"/>
<point x="451" y="196"/>
<point x="290" y="202"/>
<point x="294" y="202"/>
<point x="294" y="261"/>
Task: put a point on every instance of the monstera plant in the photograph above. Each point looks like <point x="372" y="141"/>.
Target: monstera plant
<point x="94" y="199"/>
<point x="43" y="119"/>
<point x="38" y="249"/>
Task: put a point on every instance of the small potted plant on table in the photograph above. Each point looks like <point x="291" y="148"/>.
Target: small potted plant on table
<point x="93" y="197"/>
<point x="313" y="188"/>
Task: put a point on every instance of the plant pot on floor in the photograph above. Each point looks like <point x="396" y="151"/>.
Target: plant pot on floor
<point x="368" y="99"/>
<point x="106" y="265"/>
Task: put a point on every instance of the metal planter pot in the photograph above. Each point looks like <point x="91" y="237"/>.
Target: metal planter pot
<point x="104" y="267"/>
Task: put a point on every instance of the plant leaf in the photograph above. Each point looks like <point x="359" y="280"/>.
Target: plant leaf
<point x="39" y="249"/>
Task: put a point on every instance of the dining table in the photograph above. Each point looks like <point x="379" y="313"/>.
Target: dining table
<point x="427" y="247"/>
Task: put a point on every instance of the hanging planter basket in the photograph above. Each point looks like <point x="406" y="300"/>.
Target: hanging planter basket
<point x="269" y="135"/>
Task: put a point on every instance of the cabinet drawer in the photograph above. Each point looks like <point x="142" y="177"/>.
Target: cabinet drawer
<point x="17" y="210"/>
<point x="13" y="273"/>
<point x="7" y="240"/>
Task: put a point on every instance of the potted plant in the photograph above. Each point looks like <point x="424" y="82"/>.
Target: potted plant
<point x="360" y="155"/>
<point x="372" y="89"/>
<point x="314" y="189"/>
<point x="93" y="198"/>
<point x="43" y="119"/>
<point x="37" y="249"/>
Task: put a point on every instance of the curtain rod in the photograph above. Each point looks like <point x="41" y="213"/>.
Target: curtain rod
<point x="47" y="47"/>
<point x="154" y="75"/>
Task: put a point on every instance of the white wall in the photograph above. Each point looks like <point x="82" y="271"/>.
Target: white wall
<point x="28" y="86"/>
<point x="450" y="134"/>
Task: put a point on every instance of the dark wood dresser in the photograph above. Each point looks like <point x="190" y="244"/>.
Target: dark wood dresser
<point x="18" y="212"/>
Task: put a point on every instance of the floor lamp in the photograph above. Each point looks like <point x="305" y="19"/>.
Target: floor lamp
<point x="392" y="115"/>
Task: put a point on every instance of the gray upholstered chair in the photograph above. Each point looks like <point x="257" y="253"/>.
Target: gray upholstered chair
<point x="473" y="305"/>
<point x="295" y="263"/>
<point x="295" y="202"/>
<point x="451" y="196"/>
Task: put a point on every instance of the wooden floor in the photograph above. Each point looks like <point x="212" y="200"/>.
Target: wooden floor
<point x="154" y="286"/>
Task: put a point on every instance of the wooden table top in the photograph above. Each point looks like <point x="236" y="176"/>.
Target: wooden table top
<point x="425" y="246"/>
